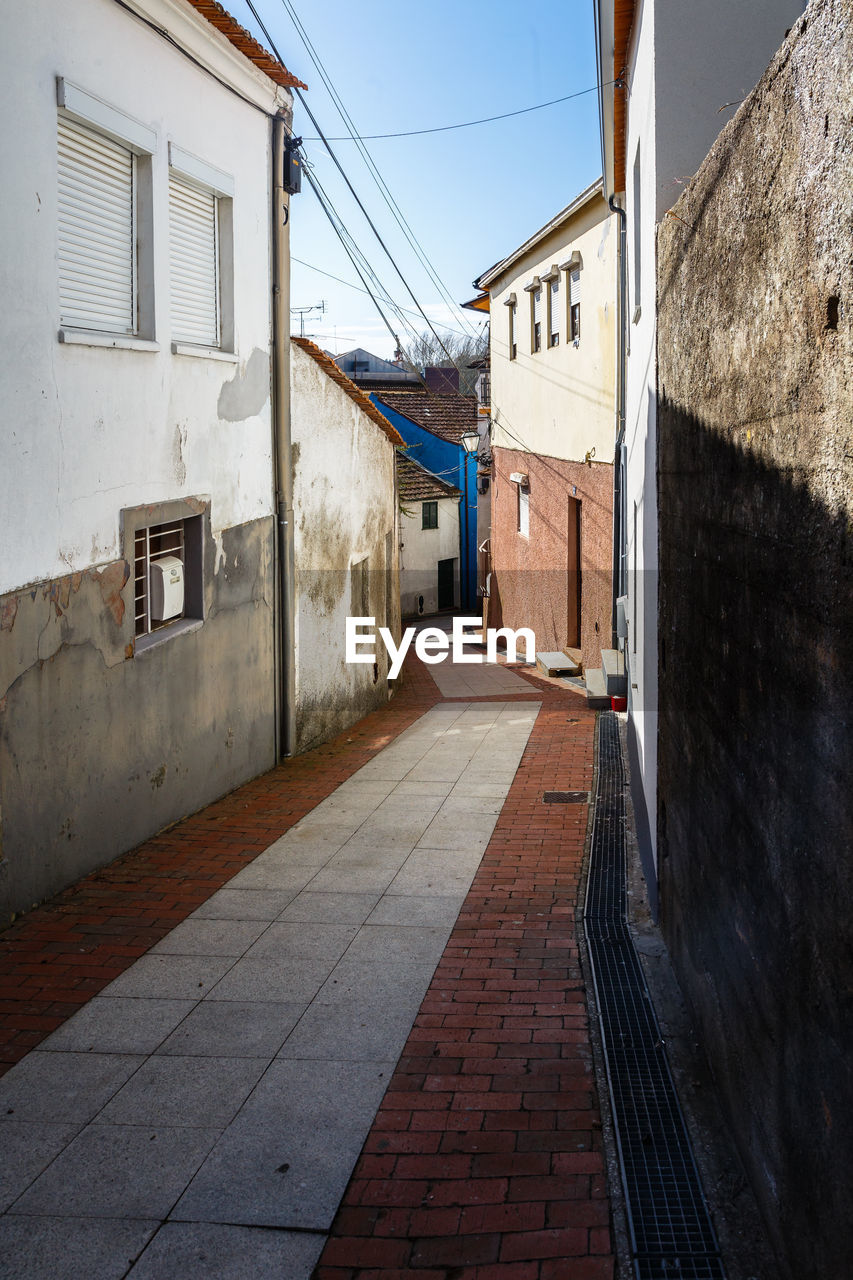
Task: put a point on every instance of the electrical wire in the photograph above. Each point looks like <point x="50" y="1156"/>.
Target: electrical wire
<point x="353" y="192"/>
<point x="469" y="124"/>
<point x="381" y="185"/>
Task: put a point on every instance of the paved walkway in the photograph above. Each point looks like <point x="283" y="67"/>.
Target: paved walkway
<point x="228" y="1079"/>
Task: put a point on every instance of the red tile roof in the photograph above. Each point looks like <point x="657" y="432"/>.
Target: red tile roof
<point x="243" y="40"/>
<point x="416" y="484"/>
<point x="448" y="416"/>
<point x="329" y="367"/>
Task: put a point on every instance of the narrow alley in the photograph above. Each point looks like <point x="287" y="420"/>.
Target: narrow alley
<point x="188" y="1096"/>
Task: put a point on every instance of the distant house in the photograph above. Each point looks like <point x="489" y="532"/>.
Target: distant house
<point x="433" y="427"/>
<point x="346" y="541"/>
<point x="552" y="407"/>
<point x="363" y="367"/>
<point x="137" y="513"/>
<point x="429" y="540"/>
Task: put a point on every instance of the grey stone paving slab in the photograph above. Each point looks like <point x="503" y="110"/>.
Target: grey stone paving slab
<point x="342" y="908"/>
<point x="362" y="1028"/>
<point x="272" y="979"/>
<point x="170" y="977"/>
<point x="296" y="942"/>
<point x="287" y="1158"/>
<point x="210" y="938"/>
<point x="422" y="875"/>
<point x="118" y="1024"/>
<point x="350" y="879"/>
<point x="209" y="1251"/>
<point x="70" y="1249"/>
<point x="185" y="1092"/>
<point x="119" y="1171"/>
<point x="434" y="910"/>
<point x="274" y="872"/>
<point x="25" y="1151"/>
<point x="63" y="1087"/>
<point x="364" y="854"/>
<point x="234" y="1029"/>
<point x="244" y="904"/>
<point x="459" y="831"/>
<point x="386" y="944"/>
<point x="407" y="789"/>
<point x="353" y="980"/>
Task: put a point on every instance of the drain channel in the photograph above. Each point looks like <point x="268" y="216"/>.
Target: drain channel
<point x="670" y="1226"/>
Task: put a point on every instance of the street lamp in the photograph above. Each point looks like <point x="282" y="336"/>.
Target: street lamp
<point x="471" y="441"/>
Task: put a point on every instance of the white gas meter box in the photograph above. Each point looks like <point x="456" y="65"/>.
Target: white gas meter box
<point x="167" y="588"/>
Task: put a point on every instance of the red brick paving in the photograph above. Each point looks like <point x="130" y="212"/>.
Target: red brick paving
<point x="484" y="1161"/>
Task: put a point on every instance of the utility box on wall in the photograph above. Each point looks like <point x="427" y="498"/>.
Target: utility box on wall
<point x="167" y="588"/>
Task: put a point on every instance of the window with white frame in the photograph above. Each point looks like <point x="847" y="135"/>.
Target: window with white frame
<point x="536" y="319"/>
<point x="554" y="312"/>
<point x="523" y="512"/>
<point x="637" y="231"/>
<point x="200" y="253"/>
<point x="575" y="305"/>
<point x="513" y="329"/>
<point x="104" y="252"/>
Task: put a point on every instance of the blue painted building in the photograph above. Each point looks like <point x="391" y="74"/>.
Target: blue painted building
<point x="432" y="426"/>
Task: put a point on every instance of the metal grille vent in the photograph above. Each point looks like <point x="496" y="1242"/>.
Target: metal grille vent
<point x="566" y="797"/>
<point x="671" y="1230"/>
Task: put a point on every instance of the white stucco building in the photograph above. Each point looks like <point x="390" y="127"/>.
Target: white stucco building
<point x="137" y="533"/>
<point x="668" y="85"/>
<point x="429" y="540"/>
<point x="346" y="542"/>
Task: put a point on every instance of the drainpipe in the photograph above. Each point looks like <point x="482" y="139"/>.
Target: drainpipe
<point x="619" y="493"/>
<point x="281" y="441"/>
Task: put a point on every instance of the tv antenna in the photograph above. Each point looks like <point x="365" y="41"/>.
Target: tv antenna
<point x="302" y="312"/>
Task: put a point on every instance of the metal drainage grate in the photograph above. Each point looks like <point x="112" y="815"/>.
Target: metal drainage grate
<point x="566" y="797"/>
<point x="671" y="1230"/>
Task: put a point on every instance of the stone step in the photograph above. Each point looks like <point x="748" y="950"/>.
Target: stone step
<point x="558" y="663"/>
<point x="596" y="689"/>
<point x="613" y="666"/>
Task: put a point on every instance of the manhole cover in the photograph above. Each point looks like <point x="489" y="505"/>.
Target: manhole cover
<point x="566" y="797"/>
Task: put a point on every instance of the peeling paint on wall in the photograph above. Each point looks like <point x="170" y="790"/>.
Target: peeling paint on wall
<point x="248" y="391"/>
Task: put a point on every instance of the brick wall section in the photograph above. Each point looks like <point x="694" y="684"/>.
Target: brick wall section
<point x="485" y="1159"/>
<point x="755" y="821"/>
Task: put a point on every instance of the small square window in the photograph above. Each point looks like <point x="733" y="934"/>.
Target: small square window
<point x="429" y="515"/>
<point x="168" y="562"/>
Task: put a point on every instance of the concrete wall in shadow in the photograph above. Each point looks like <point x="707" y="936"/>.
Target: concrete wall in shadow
<point x="755" y="474"/>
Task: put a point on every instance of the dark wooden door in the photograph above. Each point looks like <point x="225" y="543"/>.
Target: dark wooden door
<point x="445" y="584"/>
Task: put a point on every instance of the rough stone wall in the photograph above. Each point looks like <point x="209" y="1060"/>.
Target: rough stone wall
<point x="755" y="458"/>
<point x="100" y="749"/>
<point x="532" y="585"/>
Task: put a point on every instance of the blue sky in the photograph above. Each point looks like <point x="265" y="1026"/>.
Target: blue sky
<point x="470" y="195"/>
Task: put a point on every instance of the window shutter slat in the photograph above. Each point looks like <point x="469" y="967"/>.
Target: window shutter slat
<point x="575" y="286"/>
<point x="537" y="306"/>
<point x="193" y="260"/>
<point x="96" y="253"/>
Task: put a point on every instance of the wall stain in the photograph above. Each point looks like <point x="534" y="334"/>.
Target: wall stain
<point x="248" y="391"/>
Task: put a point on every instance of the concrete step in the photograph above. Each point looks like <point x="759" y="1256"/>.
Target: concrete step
<point x="613" y="666"/>
<point x="596" y="690"/>
<point x="559" y="663"/>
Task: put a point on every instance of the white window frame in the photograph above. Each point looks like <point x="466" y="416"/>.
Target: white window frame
<point x="92" y="115"/>
<point x="523" y="521"/>
<point x="511" y="303"/>
<point x="191" y="171"/>
<point x="573" y="268"/>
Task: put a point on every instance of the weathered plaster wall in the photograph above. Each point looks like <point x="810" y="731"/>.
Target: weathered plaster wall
<point x="345" y="511"/>
<point x="531" y="581"/>
<point x="98" y="748"/>
<point x="755" y="821"/>
<point x="420" y="552"/>
<point x="87" y="431"/>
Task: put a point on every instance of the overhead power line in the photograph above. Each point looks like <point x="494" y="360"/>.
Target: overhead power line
<point x="467" y="124"/>
<point x="354" y="136"/>
<point x="352" y="190"/>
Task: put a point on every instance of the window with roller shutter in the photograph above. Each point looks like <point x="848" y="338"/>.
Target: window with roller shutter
<point x="194" y="263"/>
<point x="96" y="231"/>
<point x="575" y="304"/>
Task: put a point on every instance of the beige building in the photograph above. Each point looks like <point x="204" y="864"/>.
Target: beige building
<point x="553" y="345"/>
